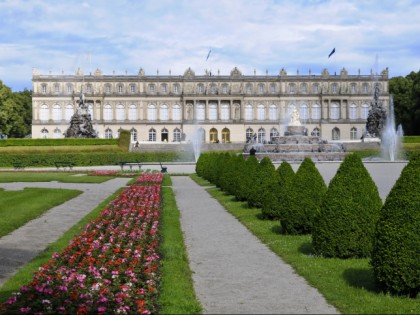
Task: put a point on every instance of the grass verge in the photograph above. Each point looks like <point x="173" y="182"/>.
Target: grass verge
<point x="348" y="284"/>
<point x="176" y="289"/>
<point x="15" y="210"/>
<point x="42" y="176"/>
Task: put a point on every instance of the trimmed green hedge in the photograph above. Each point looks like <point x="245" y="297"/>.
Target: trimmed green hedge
<point x="56" y="142"/>
<point x="411" y="139"/>
<point x="345" y="226"/>
<point x="396" y="251"/>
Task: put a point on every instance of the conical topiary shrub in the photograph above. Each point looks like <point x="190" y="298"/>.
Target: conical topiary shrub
<point x="302" y="199"/>
<point x="273" y="200"/>
<point x="247" y="178"/>
<point x="396" y="249"/>
<point x="346" y="223"/>
<point x="265" y="176"/>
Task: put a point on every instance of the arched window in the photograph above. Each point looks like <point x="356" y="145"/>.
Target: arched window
<point x="303" y="112"/>
<point x="365" y="88"/>
<point x="304" y="88"/>
<point x="108" y="89"/>
<point x="120" y="88"/>
<point x="200" y="111"/>
<point x="56" y="112"/>
<point x="152" y="135"/>
<point x="225" y="89"/>
<point x="120" y="112"/>
<point x="69" y="112"/>
<point x="336" y="134"/>
<point x="365" y="111"/>
<point x="177" y="89"/>
<point x="132" y="88"/>
<point x="200" y="88"/>
<point x="273" y="88"/>
<point x="69" y="88"/>
<point x="90" y="110"/>
<point x="176" y="112"/>
<point x="272" y="114"/>
<point x="316" y="132"/>
<point x="213" y="135"/>
<point x="316" y="111"/>
<point x="57" y="133"/>
<point x="334" y="111"/>
<point x="56" y="88"/>
<point x="107" y="112"/>
<point x="353" y="133"/>
<point x="44" y="115"/>
<point x="261" y="112"/>
<point x="108" y="133"/>
<point x="353" y="88"/>
<point x="152" y="89"/>
<point x="213" y="89"/>
<point x="151" y="112"/>
<point x="133" y="133"/>
<point x="273" y="133"/>
<point x="44" y="133"/>
<point x="225" y="112"/>
<point x="334" y="88"/>
<point x="164" y="135"/>
<point x="164" y="112"/>
<point x="260" y="88"/>
<point x="249" y="134"/>
<point x="353" y="111"/>
<point x="177" y="135"/>
<point x="248" y="112"/>
<point x="213" y="111"/>
<point x="132" y="112"/>
<point x="248" y="88"/>
<point x="292" y="88"/>
<point x="164" y="88"/>
<point x="290" y="109"/>
<point x="225" y="135"/>
<point x="261" y="135"/>
<point x="315" y="88"/>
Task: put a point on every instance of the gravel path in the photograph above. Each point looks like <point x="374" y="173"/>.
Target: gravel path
<point x="233" y="272"/>
<point x="25" y="243"/>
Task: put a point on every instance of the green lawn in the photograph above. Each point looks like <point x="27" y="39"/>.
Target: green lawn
<point x="19" y="207"/>
<point x="348" y="284"/>
<point x="64" y="177"/>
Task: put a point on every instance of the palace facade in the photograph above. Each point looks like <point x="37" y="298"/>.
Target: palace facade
<point x="225" y="108"/>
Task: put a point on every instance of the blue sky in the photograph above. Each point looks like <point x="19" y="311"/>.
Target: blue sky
<point x="172" y="35"/>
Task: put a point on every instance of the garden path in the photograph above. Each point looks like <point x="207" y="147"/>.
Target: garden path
<point x="233" y="272"/>
<point x="23" y="244"/>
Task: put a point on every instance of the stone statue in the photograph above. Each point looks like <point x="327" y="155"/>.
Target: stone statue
<point x="376" y="117"/>
<point x="295" y="118"/>
<point x="81" y="122"/>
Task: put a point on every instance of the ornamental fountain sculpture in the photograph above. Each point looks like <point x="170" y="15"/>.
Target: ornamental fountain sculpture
<point x="81" y="122"/>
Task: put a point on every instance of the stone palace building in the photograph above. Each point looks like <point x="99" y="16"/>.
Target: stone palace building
<point x="225" y="108"/>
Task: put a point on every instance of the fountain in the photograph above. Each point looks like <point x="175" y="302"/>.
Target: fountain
<point x="391" y="136"/>
<point x="197" y="141"/>
<point x="81" y="122"/>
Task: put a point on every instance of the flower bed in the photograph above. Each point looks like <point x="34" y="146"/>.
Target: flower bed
<point x="111" y="267"/>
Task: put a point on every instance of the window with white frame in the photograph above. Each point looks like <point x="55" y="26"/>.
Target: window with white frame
<point x="89" y="89"/>
<point x="107" y="112"/>
<point x="56" y="88"/>
<point x="69" y="112"/>
<point x="334" y="88"/>
<point x="108" y="133"/>
<point x="176" y="112"/>
<point x="57" y="133"/>
<point x="132" y="112"/>
<point x="201" y="115"/>
<point x="273" y="133"/>
<point x="56" y="112"/>
<point x="224" y="114"/>
<point x="90" y="110"/>
<point x="151" y="88"/>
<point x="249" y="133"/>
<point x="225" y="88"/>
<point x="261" y="135"/>
<point x="248" y="112"/>
<point x="334" y="111"/>
<point x="365" y="111"/>
<point x="292" y="88"/>
<point x="213" y="111"/>
<point x="151" y="112"/>
<point x="316" y="132"/>
<point x="272" y="113"/>
<point x="315" y="88"/>
<point x="260" y="112"/>
<point x="200" y="88"/>
<point x="69" y="88"/>
<point x="353" y="89"/>
<point x="353" y="111"/>
<point x="120" y="112"/>
<point x="335" y="134"/>
<point x="248" y="88"/>
<point x="132" y="88"/>
<point x="304" y="88"/>
<point x="260" y="88"/>
<point x="353" y="133"/>
<point x="152" y="135"/>
<point x="213" y="89"/>
<point x="133" y="133"/>
<point x="365" y="88"/>
<point x="316" y="111"/>
<point x="44" y="89"/>
<point x="44" y="113"/>
<point x="164" y="88"/>
<point x="177" y="135"/>
<point x="120" y="88"/>
<point x="177" y="89"/>
<point x="273" y="88"/>
<point x="164" y="112"/>
<point x="303" y="112"/>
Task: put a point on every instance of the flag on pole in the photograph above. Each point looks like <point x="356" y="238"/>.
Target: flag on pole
<point x="333" y="51"/>
<point x="208" y="55"/>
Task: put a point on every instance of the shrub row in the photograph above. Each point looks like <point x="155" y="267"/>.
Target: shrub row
<point x="347" y="219"/>
<point x="86" y="159"/>
<point x="56" y="142"/>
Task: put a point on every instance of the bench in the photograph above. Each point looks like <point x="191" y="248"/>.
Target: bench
<point x="18" y="165"/>
<point x="129" y="164"/>
<point x="164" y="169"/>
<point x="64" y="164"/>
